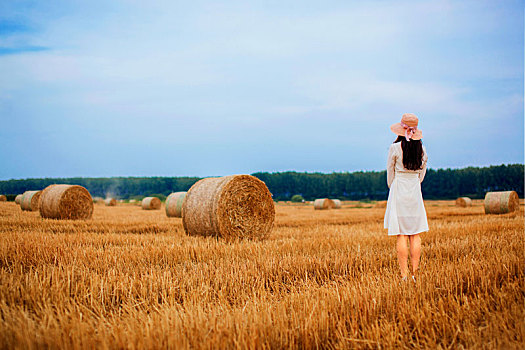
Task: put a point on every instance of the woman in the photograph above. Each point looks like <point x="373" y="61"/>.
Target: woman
<point x="405" y="215"/>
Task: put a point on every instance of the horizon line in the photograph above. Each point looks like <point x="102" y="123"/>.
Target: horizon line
<point x="257" y="172"/>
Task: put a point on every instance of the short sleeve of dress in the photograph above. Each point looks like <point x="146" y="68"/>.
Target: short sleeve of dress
<point x="391" y="165"/>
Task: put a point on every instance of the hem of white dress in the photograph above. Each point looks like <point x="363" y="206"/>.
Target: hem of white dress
<point x="407" y="234"/>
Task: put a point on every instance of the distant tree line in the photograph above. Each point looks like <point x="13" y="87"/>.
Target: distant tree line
<point x="472" y="182"/>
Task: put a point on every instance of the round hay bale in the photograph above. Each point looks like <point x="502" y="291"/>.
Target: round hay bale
<point x="232" y="207"/>
<point x="151" y="203"/>
<point x="463" y="202"/>
<point x="501" y="202"/>
<point x="132" y="201"/>
<point x="66" y="202"/>
<point x="110" y="202"/>
<point x="337" y="204"/>
<point x="174" y="204"/>
<point x="3" y="198"/>
<point x="380" y="204"/>
<point x="323" y="203"/>
<point x="30" y="200"/>
<point x="18" y="198"/>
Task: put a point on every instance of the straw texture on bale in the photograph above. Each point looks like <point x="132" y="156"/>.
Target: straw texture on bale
<point x="66" y="202"/>
<point x="380" y="204"/>
<point x="232" y="207"/>
<point x="501" y="202"/>
<point x="151" y="203"/>
<point x="463" y="202"/>
<point x="174" y="204"/>
<point x="336" y="203"/>
<point x="30" y="200"/>
<point x="110" y="202"/>
<point x="18" y="198"/>
<point x="323" y="203"/>
<point x="3" y="198"/>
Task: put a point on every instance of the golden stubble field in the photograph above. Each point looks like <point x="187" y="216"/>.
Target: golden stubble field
<point x="131" y="278"/>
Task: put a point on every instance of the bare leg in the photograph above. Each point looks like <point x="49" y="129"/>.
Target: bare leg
<point x="415" y="252"/>
<point x="402" y="254"/>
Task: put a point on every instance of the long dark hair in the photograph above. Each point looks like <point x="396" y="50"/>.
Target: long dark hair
<point x="412" y="153"/>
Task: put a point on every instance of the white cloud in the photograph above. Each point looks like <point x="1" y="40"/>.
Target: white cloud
<point x="239" y="71"/>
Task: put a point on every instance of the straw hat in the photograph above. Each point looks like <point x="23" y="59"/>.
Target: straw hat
<point x="407" y="127"/>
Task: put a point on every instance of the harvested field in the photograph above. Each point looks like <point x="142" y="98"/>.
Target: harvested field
<point x="98" y="200"/>
<point x="380" y="204"/>
<point x="131" y="278"/>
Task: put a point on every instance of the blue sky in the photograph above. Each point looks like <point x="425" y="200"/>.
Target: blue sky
<point x="198" y="88"/>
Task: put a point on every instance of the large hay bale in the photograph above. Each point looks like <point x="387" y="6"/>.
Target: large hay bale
<point x="3" y="198"/>
<point x="323" y="203"/>
<point x="110" y="202"/>
<point x="336" y="204"/>
<point x="501" y="202"/>
<point x="380" y="204"/>
<point x="174" y="204"/>
<point x="66" y="202"/>
<point x="30" y="200"/>
<point x="463" y="202"/>
<point x="151" y="203"/>
<point x="18" y="198"/>
<point x="231" y="207"/>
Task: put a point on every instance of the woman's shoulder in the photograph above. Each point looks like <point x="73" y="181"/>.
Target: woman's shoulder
<point x="395" y="147"/>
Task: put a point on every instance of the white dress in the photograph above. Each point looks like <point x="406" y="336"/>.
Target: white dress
<point x="405" y="211"/>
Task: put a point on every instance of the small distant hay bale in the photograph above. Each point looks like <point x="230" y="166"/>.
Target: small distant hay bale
<point x="110" y="202"/>
<point x="174" y="204"/>
<point x="337" y="204"/>
<point x="98" y="200"/>
<point x="18" y="198"/>
<point x="66" y="202"/>
<point x="231" y="207"/>
<point x="463" y="202"/>
<point x="380" y="204"/>
<point x="30" y="200"/>
<point x="132" y="201"/>
<point x="3" y="198"/>
<point x="151" y="203"/>
<point x="323" y="203"/>
<point x="501" y="202"/>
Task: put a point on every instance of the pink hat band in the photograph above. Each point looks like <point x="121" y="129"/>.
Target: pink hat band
<point x="409" y="130"/>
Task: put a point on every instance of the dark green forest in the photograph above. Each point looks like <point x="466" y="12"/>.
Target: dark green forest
<point x="473" y="182"/>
